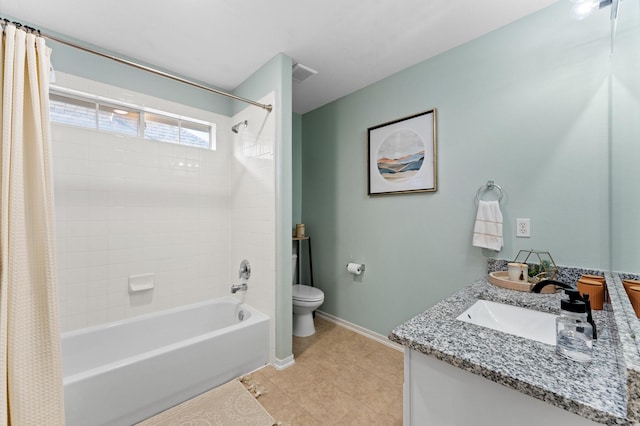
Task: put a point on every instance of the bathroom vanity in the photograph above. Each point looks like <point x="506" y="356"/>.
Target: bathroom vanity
<point x="460" y="373"/>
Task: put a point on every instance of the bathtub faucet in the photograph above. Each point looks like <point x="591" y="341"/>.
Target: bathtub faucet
<point x="238" y="287"/>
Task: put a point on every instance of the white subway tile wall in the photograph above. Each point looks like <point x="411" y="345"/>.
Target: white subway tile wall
<point x="253" y="208"/>
<point x="127" y="206"/>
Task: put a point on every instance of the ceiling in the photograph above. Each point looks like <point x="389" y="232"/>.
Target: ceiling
<point x="222" y="42"/>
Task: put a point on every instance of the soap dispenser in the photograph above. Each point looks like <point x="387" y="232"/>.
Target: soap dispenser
<point x="587" y="302"/>
<point x="574" y="334"/>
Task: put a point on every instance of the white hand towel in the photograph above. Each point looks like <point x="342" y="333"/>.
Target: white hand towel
<point x="487" y="232"/>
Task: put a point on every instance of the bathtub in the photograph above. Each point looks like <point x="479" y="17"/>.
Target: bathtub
<point x="126" y="371"/>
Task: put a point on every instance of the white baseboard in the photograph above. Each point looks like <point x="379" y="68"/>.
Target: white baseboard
<point x="281" y="364"/>
<point x="361" y="330"/>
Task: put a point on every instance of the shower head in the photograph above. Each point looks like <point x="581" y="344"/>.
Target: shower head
<point x="236" y="128"/>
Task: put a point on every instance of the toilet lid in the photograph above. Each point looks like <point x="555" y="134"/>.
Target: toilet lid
<point x="307" y="293"/>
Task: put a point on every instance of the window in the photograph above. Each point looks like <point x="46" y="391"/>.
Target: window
<point x="161" y="128"/>
<point x="72" y="111"/>
<point x="128" y="120"/>
<point x="194" y="134"/>
<point x="118" y="120"/>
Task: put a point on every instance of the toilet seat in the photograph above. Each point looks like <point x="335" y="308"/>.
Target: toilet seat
<point x="306" y="293"/>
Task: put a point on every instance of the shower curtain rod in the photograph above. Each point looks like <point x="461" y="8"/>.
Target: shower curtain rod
<point x="268" y="107"/>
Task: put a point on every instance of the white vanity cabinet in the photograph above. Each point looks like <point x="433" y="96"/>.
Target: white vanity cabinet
<point x="438" y="393"/>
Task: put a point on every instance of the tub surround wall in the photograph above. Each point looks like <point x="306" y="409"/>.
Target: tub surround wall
<point x="253" y="209"/>
<point x="127" y="206"/>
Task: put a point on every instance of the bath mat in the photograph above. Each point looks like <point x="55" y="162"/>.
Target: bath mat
<point x="227" y="405"/>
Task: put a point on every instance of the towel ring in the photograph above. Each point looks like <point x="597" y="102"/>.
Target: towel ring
<point x="489" y="187"/>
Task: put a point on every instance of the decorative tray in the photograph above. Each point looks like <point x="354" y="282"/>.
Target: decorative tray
<point x="501" y="279"/>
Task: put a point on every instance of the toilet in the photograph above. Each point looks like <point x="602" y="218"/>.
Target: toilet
<point x="306" y="299"/>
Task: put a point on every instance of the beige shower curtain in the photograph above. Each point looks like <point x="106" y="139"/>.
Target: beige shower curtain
<point x="30" y="359"/>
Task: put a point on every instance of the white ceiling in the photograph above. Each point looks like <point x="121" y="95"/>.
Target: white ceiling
<point x="222" y="42"/>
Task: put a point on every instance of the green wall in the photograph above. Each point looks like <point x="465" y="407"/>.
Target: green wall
<point x="87" y="65"/>
<point x="297" y="168"/>
<point x="526" y="106"/>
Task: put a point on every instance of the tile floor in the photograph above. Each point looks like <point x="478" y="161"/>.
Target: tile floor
<point x="339" y="378"/>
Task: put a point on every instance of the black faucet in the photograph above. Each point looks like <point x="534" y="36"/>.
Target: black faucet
<point x="539" y="286"/>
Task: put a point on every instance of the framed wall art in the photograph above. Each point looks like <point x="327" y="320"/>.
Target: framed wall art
<point x="402" y="155"/>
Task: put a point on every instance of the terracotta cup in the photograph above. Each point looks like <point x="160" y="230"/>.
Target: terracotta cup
<point x="629" y="283"/>
<point x="595" y="278"/>
<point x="595" y="290"/>
<point x="602" y="280"/>
<point x="634" y="297"/>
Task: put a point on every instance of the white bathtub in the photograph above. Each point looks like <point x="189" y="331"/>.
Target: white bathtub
<point x="126" y="371"/>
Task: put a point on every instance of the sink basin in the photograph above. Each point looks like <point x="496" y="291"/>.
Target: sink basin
<point x="522" y="322"/>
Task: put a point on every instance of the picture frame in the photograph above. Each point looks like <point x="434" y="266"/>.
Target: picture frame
<point x="402" y="155"/>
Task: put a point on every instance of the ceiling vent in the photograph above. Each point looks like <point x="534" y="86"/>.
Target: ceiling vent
<point x="302" y="72"/>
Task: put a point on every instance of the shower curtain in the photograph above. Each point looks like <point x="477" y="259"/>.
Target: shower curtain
<point x="30" y="355"/>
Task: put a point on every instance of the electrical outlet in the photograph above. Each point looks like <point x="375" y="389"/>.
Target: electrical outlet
<point x="523" y="228"/>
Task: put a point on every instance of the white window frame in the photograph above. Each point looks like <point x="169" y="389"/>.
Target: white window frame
<point x="141" y="110"/>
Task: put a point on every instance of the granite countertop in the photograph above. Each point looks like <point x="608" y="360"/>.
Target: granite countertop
<point x="595" y="390"/>
<point x="628" y="330"/>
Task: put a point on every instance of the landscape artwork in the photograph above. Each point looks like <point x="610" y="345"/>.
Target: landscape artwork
<point x="402" y="155"/>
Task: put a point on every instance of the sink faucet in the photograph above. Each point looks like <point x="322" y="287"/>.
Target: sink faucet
<point x="539" y="286"/>
<point x="238" y="287"/>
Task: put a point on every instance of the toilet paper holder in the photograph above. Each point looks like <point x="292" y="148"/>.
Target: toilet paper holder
<point x="355" y="268"/>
